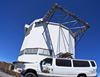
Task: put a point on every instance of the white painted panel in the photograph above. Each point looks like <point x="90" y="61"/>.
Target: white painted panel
<point x="54" y="30"/>
<point x="35" y="39"/>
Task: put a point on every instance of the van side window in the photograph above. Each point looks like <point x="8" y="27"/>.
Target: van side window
<point x="93" y="64"/>
<point x="77" y="63"/>
<point x="48" y="61"/>
<point x="60" y="62"/>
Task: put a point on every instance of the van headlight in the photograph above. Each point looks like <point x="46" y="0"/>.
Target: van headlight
<point x="19" y="70"/>
<point x="19" y="67"/>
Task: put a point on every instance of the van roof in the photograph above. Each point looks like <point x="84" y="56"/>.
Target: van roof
<point x="72" y="59"/>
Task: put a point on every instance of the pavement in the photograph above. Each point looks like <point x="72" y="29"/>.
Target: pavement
<point x="2" y="74"/>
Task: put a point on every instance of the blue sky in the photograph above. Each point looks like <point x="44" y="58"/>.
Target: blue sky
<point x="14" y="14"/>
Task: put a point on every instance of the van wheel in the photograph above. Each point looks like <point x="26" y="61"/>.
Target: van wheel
<point x="30" y="74"/>
<point x="82" y="75"/>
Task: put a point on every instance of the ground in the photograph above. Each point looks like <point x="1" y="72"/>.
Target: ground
<point x="2" y="74"/>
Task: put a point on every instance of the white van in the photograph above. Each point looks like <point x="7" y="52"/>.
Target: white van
<point x="58" y="67"/>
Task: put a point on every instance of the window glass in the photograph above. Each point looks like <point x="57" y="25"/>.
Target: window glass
<point x="40" y="51"/>
<point x="31" y="51"/>
<point x="77" y="63"/>
<point x="93" y="64"/>
<point x="61" y="62"/>
<point x="44" y="52"/>
<point x="22" y="52"/>
<point x="27" y="32"/>
<point x="48" y="61"/>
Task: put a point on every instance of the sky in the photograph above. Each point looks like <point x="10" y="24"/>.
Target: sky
<point x="14" y="14"/>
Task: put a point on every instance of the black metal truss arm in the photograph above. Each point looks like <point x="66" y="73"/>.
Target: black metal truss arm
<point x="56" y="7"/>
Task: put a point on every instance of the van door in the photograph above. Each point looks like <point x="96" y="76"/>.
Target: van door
<point x="62" y="67"/>
<point x="80" y="66"/>
<point x="46" y="65"/>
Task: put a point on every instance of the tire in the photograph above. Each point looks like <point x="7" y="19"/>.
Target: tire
<point x="30" y="74"/>
<point x="82" y="75"/>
